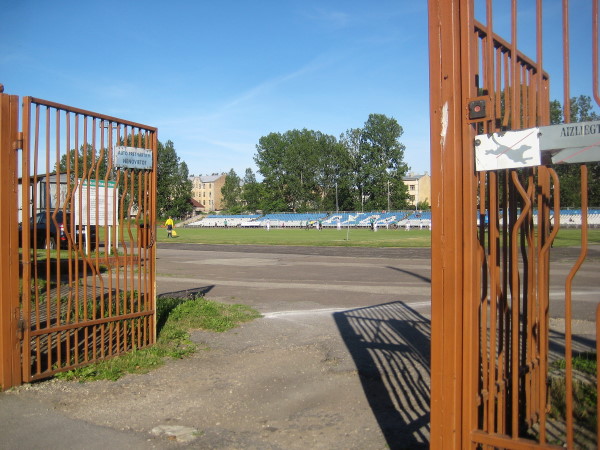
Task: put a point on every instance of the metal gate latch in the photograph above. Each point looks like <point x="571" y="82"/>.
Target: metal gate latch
<point x="477" y="109"/>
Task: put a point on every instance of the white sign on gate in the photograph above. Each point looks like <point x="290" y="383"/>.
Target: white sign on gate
<point x="508" y="150"/>
<point x="563" y="143"/>
<point x="133" y="158"/>
<point x="97" y="199"/>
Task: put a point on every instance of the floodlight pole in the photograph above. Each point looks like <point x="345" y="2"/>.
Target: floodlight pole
<point x="337" y="208"/>
<point x="388" y="184"/>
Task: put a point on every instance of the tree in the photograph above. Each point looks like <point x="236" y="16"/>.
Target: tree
<point x="85" y="162"/>
<point x="581" y="110"/>
<point x="232" y="192"/>
<point x="251" y="191"/>
<point x="298" y="168"/>
<point x="423" y="205"/>
<point x="174" y="188"/>
<point x="308" y="170"/>
<point x="351" y="141"/>
<point x="379" y="163"/>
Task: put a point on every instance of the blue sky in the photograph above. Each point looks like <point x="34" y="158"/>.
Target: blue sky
<point x="215" y="76"/>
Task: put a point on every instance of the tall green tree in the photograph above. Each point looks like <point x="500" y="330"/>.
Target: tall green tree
<point x="309" y="170"/>
<point x="85" y="162"/>
<point x="251" y="191"/>
<point x="297" y="168"/>
<point x="232" y="193"/>
<point x="581" y="110"/>
<point x="174" y="188"/>
<point x="379" y="164"/>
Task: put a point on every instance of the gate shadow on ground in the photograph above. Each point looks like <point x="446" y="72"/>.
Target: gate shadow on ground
<point x="391" y="345"/>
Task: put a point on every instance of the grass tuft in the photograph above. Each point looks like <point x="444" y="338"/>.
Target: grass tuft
<point x="585" y="391"/>
<point x="175" y="317"/>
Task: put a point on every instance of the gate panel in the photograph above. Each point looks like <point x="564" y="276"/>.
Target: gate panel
<point x="87" y="237"/>
<point x="492" y="237"/>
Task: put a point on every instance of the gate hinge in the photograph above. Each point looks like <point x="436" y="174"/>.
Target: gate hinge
<point x="21" y="328"/>
<point x="18" y="143"/>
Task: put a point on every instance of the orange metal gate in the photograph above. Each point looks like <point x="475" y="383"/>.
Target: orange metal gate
<point x="83" y="219"/>
<point x="492" y="234"/>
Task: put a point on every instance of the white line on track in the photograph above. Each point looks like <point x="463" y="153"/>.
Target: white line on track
<point x="308" y="312"/>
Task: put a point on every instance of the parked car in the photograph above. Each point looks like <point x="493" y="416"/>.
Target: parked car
<point x="58" y="228"/>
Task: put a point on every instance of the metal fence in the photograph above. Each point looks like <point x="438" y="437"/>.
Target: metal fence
<point x="80" y="214"/>
<point x="491" y="259"/>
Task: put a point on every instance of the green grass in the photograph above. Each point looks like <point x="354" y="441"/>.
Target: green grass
<point x="569" y="237"/>
<point x="355" y="237"/>
<point x="584" y="362"/>
<point x="175" y="317"/>
<point x="300" y="237"/>
<point x="585" y="391"/>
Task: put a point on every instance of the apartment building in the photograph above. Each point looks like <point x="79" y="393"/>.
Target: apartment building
<point x="419" y="188"/>
<point x="206" y="190"/>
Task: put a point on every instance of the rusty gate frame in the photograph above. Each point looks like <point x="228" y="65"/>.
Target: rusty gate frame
<point x="10" y="354"/>
<point x="489" y="360"/>
<point x="97" y="306"/>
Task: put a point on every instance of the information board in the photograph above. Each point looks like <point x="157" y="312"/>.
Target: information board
<point x="101" y="203"/>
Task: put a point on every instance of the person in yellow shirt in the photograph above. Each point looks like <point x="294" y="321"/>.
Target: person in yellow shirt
<point x="169" y="224"/>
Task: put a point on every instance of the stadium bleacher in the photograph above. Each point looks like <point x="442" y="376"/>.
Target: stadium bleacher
<point x="283" y="220"/>
<point x="219" y="220"/>
<point x="392" y="219"/>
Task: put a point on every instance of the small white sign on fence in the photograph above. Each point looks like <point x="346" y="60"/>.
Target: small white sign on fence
<point x="133" y="158"/>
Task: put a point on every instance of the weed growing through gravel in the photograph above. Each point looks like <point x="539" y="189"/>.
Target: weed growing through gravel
<point x="585" y="395"/>
<point x="175" y="317"/>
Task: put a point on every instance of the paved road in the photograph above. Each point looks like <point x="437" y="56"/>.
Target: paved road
<point x="288" y="278"/>
<point x="297" y="278"/>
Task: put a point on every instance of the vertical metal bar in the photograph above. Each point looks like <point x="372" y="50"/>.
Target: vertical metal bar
<point x="93" y="187"/>
<point x="57" y="302"/>
<point x="152" y="235"/>
<point x="484" y="394"/>
<point x="595" y="54"/>
<point x="597" y="364"/>
<point x="85" y="179"/>
<point x="10" y="367"/>
<point x="539" y="59"/>
<point x="498" y="89"/>
<point x="527" y="351"/>
<point x="455" y="296"/>
<point x="25" y="240"/>
<point x="516" y="307"/>
<point x="49" y="217"/>
<point x="515" y="117"/>
<point x="493" y="242"/>
<point x="507" y="91"/>
<point x="543" y="313"/>
<point x="566" y="62"/>
<point x="568" y="304"/>
<point x="72" y="344"/>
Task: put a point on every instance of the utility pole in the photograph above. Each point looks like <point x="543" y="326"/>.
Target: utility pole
<point x="337" y="208"/>
<point x="388" y="183"/>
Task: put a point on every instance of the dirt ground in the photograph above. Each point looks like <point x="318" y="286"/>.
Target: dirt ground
<point x="279" y="382"/>
<point x="339" y="360"/>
